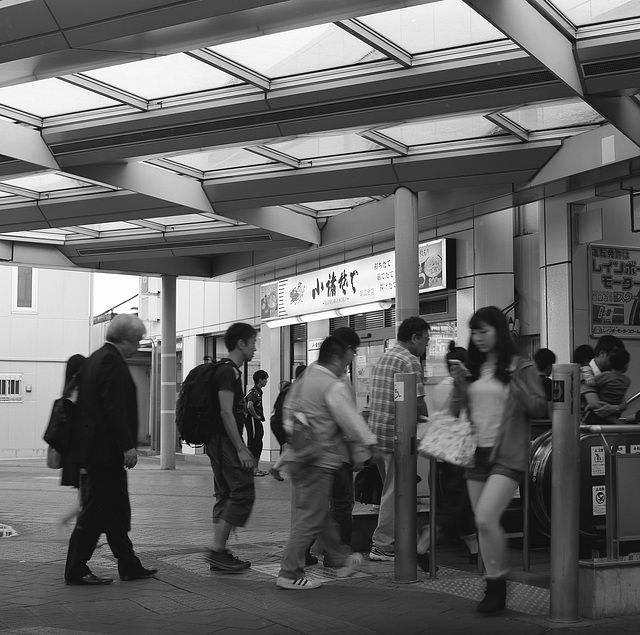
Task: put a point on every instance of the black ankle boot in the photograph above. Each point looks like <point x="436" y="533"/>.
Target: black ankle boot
<point x="495" y="597"/>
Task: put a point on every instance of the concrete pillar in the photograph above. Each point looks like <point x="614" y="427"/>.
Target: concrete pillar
<point x="407" y="304"/>
<point x="270" y="360"/>
<point x="556" y="277"/>
<point x="168" y="375"/>
<point x="406" y="246"/>
<point x="493" y="253"/>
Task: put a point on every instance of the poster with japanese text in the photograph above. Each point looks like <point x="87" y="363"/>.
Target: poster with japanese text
<point x="614" y="287"/>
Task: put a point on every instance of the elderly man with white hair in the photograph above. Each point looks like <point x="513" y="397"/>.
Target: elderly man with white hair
<point x="103" y="442"/>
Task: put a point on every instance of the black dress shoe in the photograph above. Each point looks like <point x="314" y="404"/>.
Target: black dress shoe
<point x="89" y="579"/>
<point x="138" y="574"/>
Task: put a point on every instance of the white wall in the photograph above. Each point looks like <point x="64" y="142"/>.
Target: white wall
<point x="38" y="346"/>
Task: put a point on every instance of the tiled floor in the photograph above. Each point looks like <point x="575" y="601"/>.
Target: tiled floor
<point x="171" y="529"/>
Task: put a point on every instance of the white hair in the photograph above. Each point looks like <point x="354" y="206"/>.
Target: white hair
<point x="125" y="326"/>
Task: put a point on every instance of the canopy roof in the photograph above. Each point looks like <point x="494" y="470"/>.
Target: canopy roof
<point x="200" y="138"/>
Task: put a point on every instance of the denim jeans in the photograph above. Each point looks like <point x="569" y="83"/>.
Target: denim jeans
<point x="384" y="534"/>
<point x="310" y="519"/>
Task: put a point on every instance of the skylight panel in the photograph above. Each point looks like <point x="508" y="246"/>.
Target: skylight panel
<point x="443" y="130"/>
<point x="299" y="51"/>
<point x="46" y="182"/>
<point x="337" y="205"/>
<point x="226" y="158"/>
<point x="105" y="227"/>
<point x="432" y="27"/>
<point x="185" y="219"/>
<point x="52" y="97"/>
<point x="314" y="147"/>
<point x="165" y="76"/>
<point x="585" y="12"/>
<point x="566" y="113"/>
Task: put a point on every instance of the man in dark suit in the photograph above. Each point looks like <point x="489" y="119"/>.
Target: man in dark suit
<point x="104" y="443"/>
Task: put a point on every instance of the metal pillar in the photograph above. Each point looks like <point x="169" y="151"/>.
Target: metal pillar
<point x="406" y="468"/>
<point x="168" y="375"/>
<point x="406" y="244"/>
<point x="406" y="465"/>
<point x="565" y="485"/>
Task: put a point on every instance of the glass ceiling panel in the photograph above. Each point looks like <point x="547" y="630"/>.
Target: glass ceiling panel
<point x="165" y="76"/>
<point x="443" y="130"/>
<point x="325" y="146"/>
<point x="584" y="12"/>
<point x="114" y="226"/>
<point x="187" y="219"/>
<point x="52" y="97"/>
<point x="343" y="203"/>
<point x="567" y="113"/>
<point x="299" y="51"/>
<point x="225" y="158"/>
<point x="433" y="26"/>
<point x="47" y="183"/>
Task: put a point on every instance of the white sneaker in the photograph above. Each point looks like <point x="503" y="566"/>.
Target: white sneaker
<point x="354" y="561"/>
<point x="381" y="556"/>
<point x="300" y="584"/>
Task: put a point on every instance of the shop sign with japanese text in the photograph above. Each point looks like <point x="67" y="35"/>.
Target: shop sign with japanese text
<point x="349" y="284"/>
<point x="614" y="285"/>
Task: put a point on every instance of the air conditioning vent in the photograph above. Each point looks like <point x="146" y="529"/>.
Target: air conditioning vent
<point x="611" y="66"/>
<point x="299" y="332"/>
<point x="367" y="321"/>
<point x="431" y="307"/>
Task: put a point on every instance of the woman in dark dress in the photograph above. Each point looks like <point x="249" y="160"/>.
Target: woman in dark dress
<point x="71" y="471"/>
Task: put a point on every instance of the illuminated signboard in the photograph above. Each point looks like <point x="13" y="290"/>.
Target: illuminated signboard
<point x="354" y="283"/>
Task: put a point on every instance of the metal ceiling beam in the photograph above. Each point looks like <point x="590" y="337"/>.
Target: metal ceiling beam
<point x="526" y="26"/>
<point x="150" y="181"/>
<point x="386" y="142"/>
<point x="283" y="221"/>
<point x="508" y="125"/>
<point x="25" y="145"/>
<point x="376" y="41"/>
<point x="230" y="67"/>
<point x="275" y="155"/>
<point x="88" y="83"/>
<point x="149" y="225"/>
<point x="622" y="112"/>
<point x="589" y="151"/>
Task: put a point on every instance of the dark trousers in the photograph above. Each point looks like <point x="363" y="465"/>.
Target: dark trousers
<point x="342" y="501"/>
<point x="454" y="514"/>
<point x="234" y="487"/>
<point x="255" y="435"/>
<point x="105" y="509"/>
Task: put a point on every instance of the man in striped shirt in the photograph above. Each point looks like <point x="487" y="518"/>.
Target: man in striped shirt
<point x="403" y="357"/>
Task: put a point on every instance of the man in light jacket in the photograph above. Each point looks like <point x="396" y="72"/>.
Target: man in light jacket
<point x="325" y="402"/>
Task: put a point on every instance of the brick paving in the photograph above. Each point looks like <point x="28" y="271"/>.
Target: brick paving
<point x="171" y="528"/>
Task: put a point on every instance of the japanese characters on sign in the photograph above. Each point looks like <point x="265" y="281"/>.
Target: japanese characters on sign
<point x="614" y="281"/>
<point x="363" y="281"/>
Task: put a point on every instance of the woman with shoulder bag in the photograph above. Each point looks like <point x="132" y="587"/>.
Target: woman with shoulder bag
<point x="501" y="393"/>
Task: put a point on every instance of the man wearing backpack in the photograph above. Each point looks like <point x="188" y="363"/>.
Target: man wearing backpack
<point x="322" y="400"/>
<point x="231" y="461"/>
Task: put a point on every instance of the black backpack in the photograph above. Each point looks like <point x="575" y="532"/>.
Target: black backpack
<point x="196" y="415"/>
<point x="277" y="419"/>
